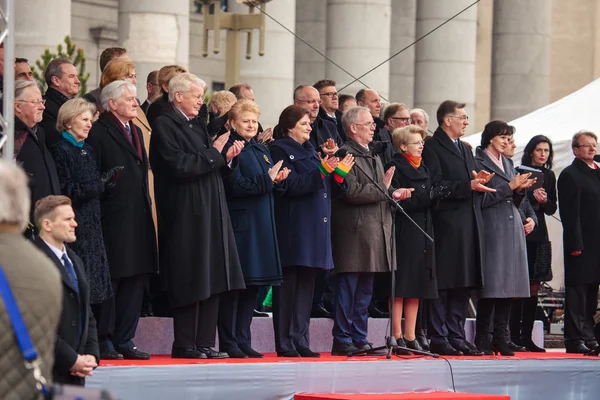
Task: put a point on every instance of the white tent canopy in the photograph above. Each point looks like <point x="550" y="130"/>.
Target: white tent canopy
<point x="558" y="121"/>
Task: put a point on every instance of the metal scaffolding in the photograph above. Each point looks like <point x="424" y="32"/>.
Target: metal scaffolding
<point x="7" y="37"/>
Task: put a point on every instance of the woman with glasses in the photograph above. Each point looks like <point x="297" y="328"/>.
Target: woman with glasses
<point x="538" y="154"/>
<point x="415" y="272"/>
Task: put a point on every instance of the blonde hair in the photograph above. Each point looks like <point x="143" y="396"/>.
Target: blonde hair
<point x="168" y="72"/>
<point x="44" y="208"/>
<point x="70" y="110"/>
<point x="402" y="135"/>
<point x="222" y="100"/>
<point x="243" y="106"/>
<point x="116" y="69"/>
<point x="15" y="198"/>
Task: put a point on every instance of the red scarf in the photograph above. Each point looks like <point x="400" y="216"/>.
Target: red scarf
<point x="413" y="160"/>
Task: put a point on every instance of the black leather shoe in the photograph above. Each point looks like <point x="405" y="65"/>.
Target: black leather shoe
<point x="369" y="350"/>
<point x="134" y="354"/>
<point x="590" y="344"/>
<point x="467" y="350"/>
<point x="594" y="352"/>
<point x="516" y="348"/>
<point x="320" y="312"/>
<point x="532" y="347"/>
<point x="413" y="344"/>
<point x="375" y="312"/>
<point x="306" y="352"/>
<point x="444" y="349"/>
<point x="180" y="352"/>
<point x="111" y="355"/>
<point x="235" y="353"/>
<point x="577" y="348"/>
<point x="484" y="344"/>
<point x="423" y="342"/>
<point x="343" y="349"/>
<point x="210" y="353"/>
<point x="250" y="352"/>
<point x="289" y="353"/>
<point x="501" y="347"/>
<point x="260" y="314"/>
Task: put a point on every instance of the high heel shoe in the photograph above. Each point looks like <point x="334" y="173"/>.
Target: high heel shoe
<point x="516" y="347"/>
<point x="532" y="347"/>
<point x="413" y="345"/>
<point x="484" y="345"/>
<point x="502" y="348"/>
<point x="401" y="352"/>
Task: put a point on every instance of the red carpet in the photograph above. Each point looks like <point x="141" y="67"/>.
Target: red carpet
<point x="404" y="396"/>
<point x="326" y="357"/>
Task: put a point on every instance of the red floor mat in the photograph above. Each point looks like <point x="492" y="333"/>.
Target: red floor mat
<point x="403" y="396"/>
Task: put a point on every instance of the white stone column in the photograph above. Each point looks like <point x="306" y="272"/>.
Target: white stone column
<point x="155" y="33"/>
<point x="272" y="75"/>
<point x="521" y="57"/>
<point x="445" y="60"/>
<point x="40" y="25"/>
<point x="358" y="38"/>
<point x="402" y="67"/>
<point x="311" y="25"/>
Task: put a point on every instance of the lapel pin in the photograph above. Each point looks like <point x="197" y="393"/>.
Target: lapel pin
<point x="266" y="159"/>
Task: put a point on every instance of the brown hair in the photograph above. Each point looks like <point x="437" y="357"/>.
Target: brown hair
<point x="323" y="83"/>
<point x="288" y="119"/>
<point x="447" y="107"/>
<point x="392" y="109"/>
<point x="44" y="208"/>
<point x="54" y="68"/>
<point x="109" y="54"/>
<point x="116" y="70"/>
<point x="343" y="98"/>
<point x="237" y="89"/>
<point x="575" y="141"/>
<point x="168" y="72"/>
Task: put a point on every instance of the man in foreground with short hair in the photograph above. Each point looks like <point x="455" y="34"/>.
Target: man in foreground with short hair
<point x="76" y="351"/>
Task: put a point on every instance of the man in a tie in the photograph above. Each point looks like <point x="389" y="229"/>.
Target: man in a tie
<point x="76" y="351"/>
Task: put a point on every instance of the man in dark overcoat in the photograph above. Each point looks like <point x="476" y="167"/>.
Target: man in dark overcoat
<point x="198" y="258"/>
<point x="458" y="227"/>
<point x="127" y="225"/>
<point x="579" y="201"/>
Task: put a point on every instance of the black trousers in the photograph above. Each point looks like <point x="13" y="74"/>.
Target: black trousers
<point x="421" y="326"/>
<point x="321" y="283"/>
<point x="499" y="310"/>
<point x="580" y="307"/>
<point x="117" y="318"/>
<point x="522" y="318"/>
<point x="292" y="303"/>
<point x="236" y="309"/>
<point x="195" y="325"/>
<point x="447" y="315"/>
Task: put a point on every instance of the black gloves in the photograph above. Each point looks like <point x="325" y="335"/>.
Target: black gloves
<point x="110" y="177"/>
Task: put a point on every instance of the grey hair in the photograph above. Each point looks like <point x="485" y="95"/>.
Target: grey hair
<point x="115" y="90"/>
<point x="351" y="116"/>
<point x="422" y="112"/>
<point x="22" y="86"/>
<point x="54" y="68"/>
<point x="182" y="83"/>
<point x="15" y="198"/>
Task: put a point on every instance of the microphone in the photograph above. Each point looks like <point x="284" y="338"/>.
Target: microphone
<point x="379" y="147"/>
<point x="597" y="158"/>
<point x="341" y="153"/>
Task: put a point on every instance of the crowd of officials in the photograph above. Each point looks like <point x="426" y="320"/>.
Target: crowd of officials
<point x="193" y="209"/>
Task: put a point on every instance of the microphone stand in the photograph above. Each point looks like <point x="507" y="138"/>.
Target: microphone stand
<point x="390" y="341"/>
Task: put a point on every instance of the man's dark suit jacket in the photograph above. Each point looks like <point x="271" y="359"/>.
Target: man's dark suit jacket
<point x="76" y="317"/>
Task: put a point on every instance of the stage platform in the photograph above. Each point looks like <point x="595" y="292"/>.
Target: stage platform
<point x="528" y="376"/>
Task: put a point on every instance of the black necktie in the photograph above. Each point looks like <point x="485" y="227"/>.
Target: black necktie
<point x="71" y="272"/>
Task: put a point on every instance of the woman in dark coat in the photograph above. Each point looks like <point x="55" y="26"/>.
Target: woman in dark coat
<point x="505" y="272"/>
<point x="302" y="215"/>
<point x="81" y="182"/>
<point x="415" y="273"/>
<point x="538" y="154"/>
<point x="249" y="190"/>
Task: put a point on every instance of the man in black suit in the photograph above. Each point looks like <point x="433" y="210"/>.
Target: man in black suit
<point x="329" y="105"/>
<point x="153" y="89"/>
<point x="458" y="227"/>
<point x="76" y="349"/>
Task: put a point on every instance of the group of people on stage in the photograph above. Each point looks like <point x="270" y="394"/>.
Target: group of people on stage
<point x="223" y="208"/>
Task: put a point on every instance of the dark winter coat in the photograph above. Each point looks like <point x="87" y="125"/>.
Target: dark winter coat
<point x="579" y="200"/>
<point x="158" y="106"/>
<point x="303" y="209"/>
<point x="76" y="317"/>
<point x="388" y="154"/>
<point x="540" y="233"/>
<point x="129" y="235"/>
<point x="337" y="121"/>
<point x="36" y="160"/>
<point x="54" y="101"/>
<point x="250" y="201"/>
<point x="198" y="255"/>
<point x="322" y="130"/>
<point x="415" y="272"/>
<point x="505" y="269"/>
<point x="457" y="220"/>
<point x="80" y="181"/>
<point x="362" y="219"/>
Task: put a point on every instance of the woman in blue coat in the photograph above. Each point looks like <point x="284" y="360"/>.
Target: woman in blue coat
<point x="249" y="189"/>
<point x="302" y="215"/>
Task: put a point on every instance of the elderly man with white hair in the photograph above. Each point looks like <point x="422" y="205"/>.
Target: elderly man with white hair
<point x="198" y="257"/>
<point x="420" y="118"/>
<point x="127" y="225"/>
<point x="36" y="286"/>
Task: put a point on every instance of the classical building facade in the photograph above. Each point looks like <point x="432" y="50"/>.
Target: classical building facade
<point x="503" y="58"/>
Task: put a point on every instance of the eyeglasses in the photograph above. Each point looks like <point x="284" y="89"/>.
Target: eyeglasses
<point x="319" y="102"/>
<point x="36" y="103"/>
<point x="588" y="146"/>
<point x="461" y="117"/>
<point x="403" y="119"/>
<point x="367" y="124"/>
<point x="421" y="143"/>
<point x="329" y="94"/>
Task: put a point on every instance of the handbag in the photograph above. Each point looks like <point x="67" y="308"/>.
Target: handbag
<point x="31" y="357"/>
<point x="543" y="262"/>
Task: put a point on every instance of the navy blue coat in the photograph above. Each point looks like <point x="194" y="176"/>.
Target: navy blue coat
<point x="303" y="209"/>
<point x="250" y="199"/>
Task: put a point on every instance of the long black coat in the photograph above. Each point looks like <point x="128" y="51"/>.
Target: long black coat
<point x="540" y="233"/>
<point x="251" y="202"/>
<point x="457" y="220"/>
<point x="198" y="256"/>
<point x="579" y="200"/>
<point x="54" y="100"/>
<point x="127" y="225"/>
<point x="76" y="317"/>
<point x="158" y="106"/>
<point x="37" y="162"/>
<point x="415" y="256"/>
<point x="337" y="121"/>
<point x="80" y="181"/>
<point x="322" y="130"/>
